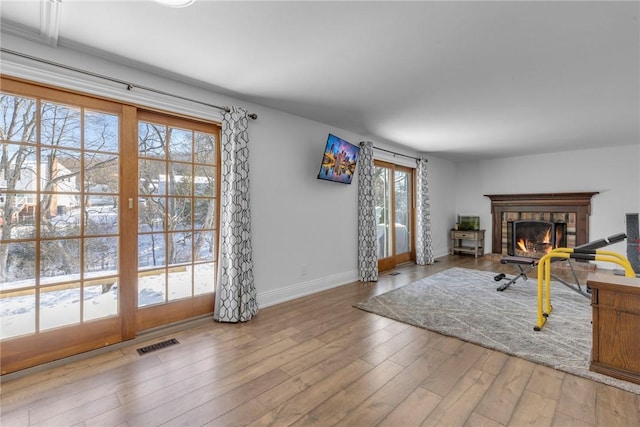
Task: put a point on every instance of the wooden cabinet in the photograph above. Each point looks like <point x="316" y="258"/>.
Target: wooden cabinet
<point x="615" y="301"/>
<point x="467" y="242"/>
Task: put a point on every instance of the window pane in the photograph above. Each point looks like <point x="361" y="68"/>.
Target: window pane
<point x="59" y="260"/>
<point x="60" y="170"/>
<point x="402" y="211"/>
<point x="180" y="248"/>
<point x="205" y="181"/>
<point x="180" y="179"/>
<point x="151" y="249"/>
<point x="382" y="194"/>
<point x="16" y="216"/>
<point x="100" y="256"/>
<point x="151" y="214"/>
<point x="59" y="220"/>
<point x="152" y="176"/>
<point x="101" y="218"/>
<point x="17" y="314"/>
<point x="101" y="132"/>
<point x="204" y="248"/>
<point x="18" y="167"/>
<point x="205" y="213"/>
<point x="151" y="140"/>
<point x="151" y="287"/>
<point x="20" y="268"/>
<point x="100" y="299"/>
<point x="179" y="213"/>
<point x="101" y="173"/>
<point x="18" y="118"/>
<point x="18" y="309"/>
<point x="180" y="147"/>
<point x="204" y="278"/>
<point x="59" y="307"/>
<point x="18" y="174"/>
<point x="204" y="148"/>
<point x="60" y="125"/>
<point x="179" y="282"/>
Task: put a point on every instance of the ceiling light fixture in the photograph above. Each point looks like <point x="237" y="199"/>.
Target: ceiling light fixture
<point x="175" y="3"/>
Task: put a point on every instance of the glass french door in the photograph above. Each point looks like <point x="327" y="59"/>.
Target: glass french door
<point x="60" y="192"/>
<point x="393" y="186"/>
<point x="177" y="218"/>
<point x="104" y="230"/>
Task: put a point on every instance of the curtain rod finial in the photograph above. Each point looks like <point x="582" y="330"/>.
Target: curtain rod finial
<point x="253" y="116"/>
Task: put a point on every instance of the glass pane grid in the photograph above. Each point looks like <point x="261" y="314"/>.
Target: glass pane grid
<point x="393" y="205"/>
<point x="176" y="166"/>
<point x="41" y="215"/>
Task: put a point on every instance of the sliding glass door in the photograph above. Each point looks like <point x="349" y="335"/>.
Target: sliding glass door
<point x="393" y="186"/>
<point x="177" y="218"/>
<point x="60" y="192"/>
<point x="108" y="222"/>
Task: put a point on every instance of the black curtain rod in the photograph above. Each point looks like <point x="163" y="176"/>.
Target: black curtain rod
<point x="400" y="154"/>
<point x="128" y="85"/>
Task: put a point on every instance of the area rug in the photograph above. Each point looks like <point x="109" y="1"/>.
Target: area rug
<point x="464" y="303"/>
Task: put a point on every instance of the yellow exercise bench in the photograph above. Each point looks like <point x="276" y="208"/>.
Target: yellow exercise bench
<point x="544" y="273"/>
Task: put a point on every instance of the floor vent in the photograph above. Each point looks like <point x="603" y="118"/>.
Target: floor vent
<point x="157" y="346"/>
<point x="395" y="273"/>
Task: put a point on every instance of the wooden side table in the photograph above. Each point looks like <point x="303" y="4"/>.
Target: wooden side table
<point x="460" y="240"/>
<point x="615" y="302"/>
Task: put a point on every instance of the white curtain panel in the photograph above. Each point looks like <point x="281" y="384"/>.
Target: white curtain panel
<point x="235" y="293"/>
<point x="367" y="244"/>
<point x="424" y="251"/>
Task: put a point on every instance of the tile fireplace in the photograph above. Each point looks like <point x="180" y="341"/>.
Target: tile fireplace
<point x="566" y="214"/>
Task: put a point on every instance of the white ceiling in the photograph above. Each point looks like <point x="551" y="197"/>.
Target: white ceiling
<point x="459" y="80"/>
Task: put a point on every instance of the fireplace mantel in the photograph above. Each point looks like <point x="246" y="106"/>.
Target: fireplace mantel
<point x="578" y="203"/>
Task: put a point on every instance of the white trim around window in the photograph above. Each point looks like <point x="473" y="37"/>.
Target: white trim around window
<point x="23" y="68"/>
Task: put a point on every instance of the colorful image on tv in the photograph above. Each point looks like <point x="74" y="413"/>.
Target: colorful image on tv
<point x="339" y="160"/>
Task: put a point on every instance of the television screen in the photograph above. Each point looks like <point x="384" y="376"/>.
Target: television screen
<point x="339" y="160"/>
<point x="468" y="222"/>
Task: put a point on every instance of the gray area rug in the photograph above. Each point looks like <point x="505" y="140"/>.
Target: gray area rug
<point x="464" y="303"/>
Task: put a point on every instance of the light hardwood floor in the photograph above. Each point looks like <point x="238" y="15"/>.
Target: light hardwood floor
<point x="315" y="361"/>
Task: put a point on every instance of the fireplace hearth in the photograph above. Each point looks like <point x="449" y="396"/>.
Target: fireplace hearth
<point x="570" y="209"/>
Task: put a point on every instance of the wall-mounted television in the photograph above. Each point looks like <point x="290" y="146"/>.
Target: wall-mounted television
<point x="339" y="160"/>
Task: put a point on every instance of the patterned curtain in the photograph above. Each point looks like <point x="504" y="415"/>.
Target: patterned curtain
<point x="236" y="294"/>
<point x="367" y="244"/>
<point x="424" y="252"/>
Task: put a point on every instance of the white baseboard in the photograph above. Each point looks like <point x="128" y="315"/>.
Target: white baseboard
<point x="438" y="253"/>
<point x="297" y="290"/>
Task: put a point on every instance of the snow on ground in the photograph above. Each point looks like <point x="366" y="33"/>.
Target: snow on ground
<point x="60" y="308"/>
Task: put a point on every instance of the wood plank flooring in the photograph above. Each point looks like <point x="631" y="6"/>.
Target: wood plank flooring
<point x="315" y="361"/>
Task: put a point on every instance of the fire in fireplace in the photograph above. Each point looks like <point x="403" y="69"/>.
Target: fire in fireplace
<point x="534" y="239"/>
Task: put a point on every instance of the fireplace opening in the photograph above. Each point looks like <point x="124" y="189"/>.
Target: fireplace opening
<point x="534" y="239"/>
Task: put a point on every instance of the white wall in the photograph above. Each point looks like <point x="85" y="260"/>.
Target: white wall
<point x="304" y="229"/>
<point x="614" y="172"/>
